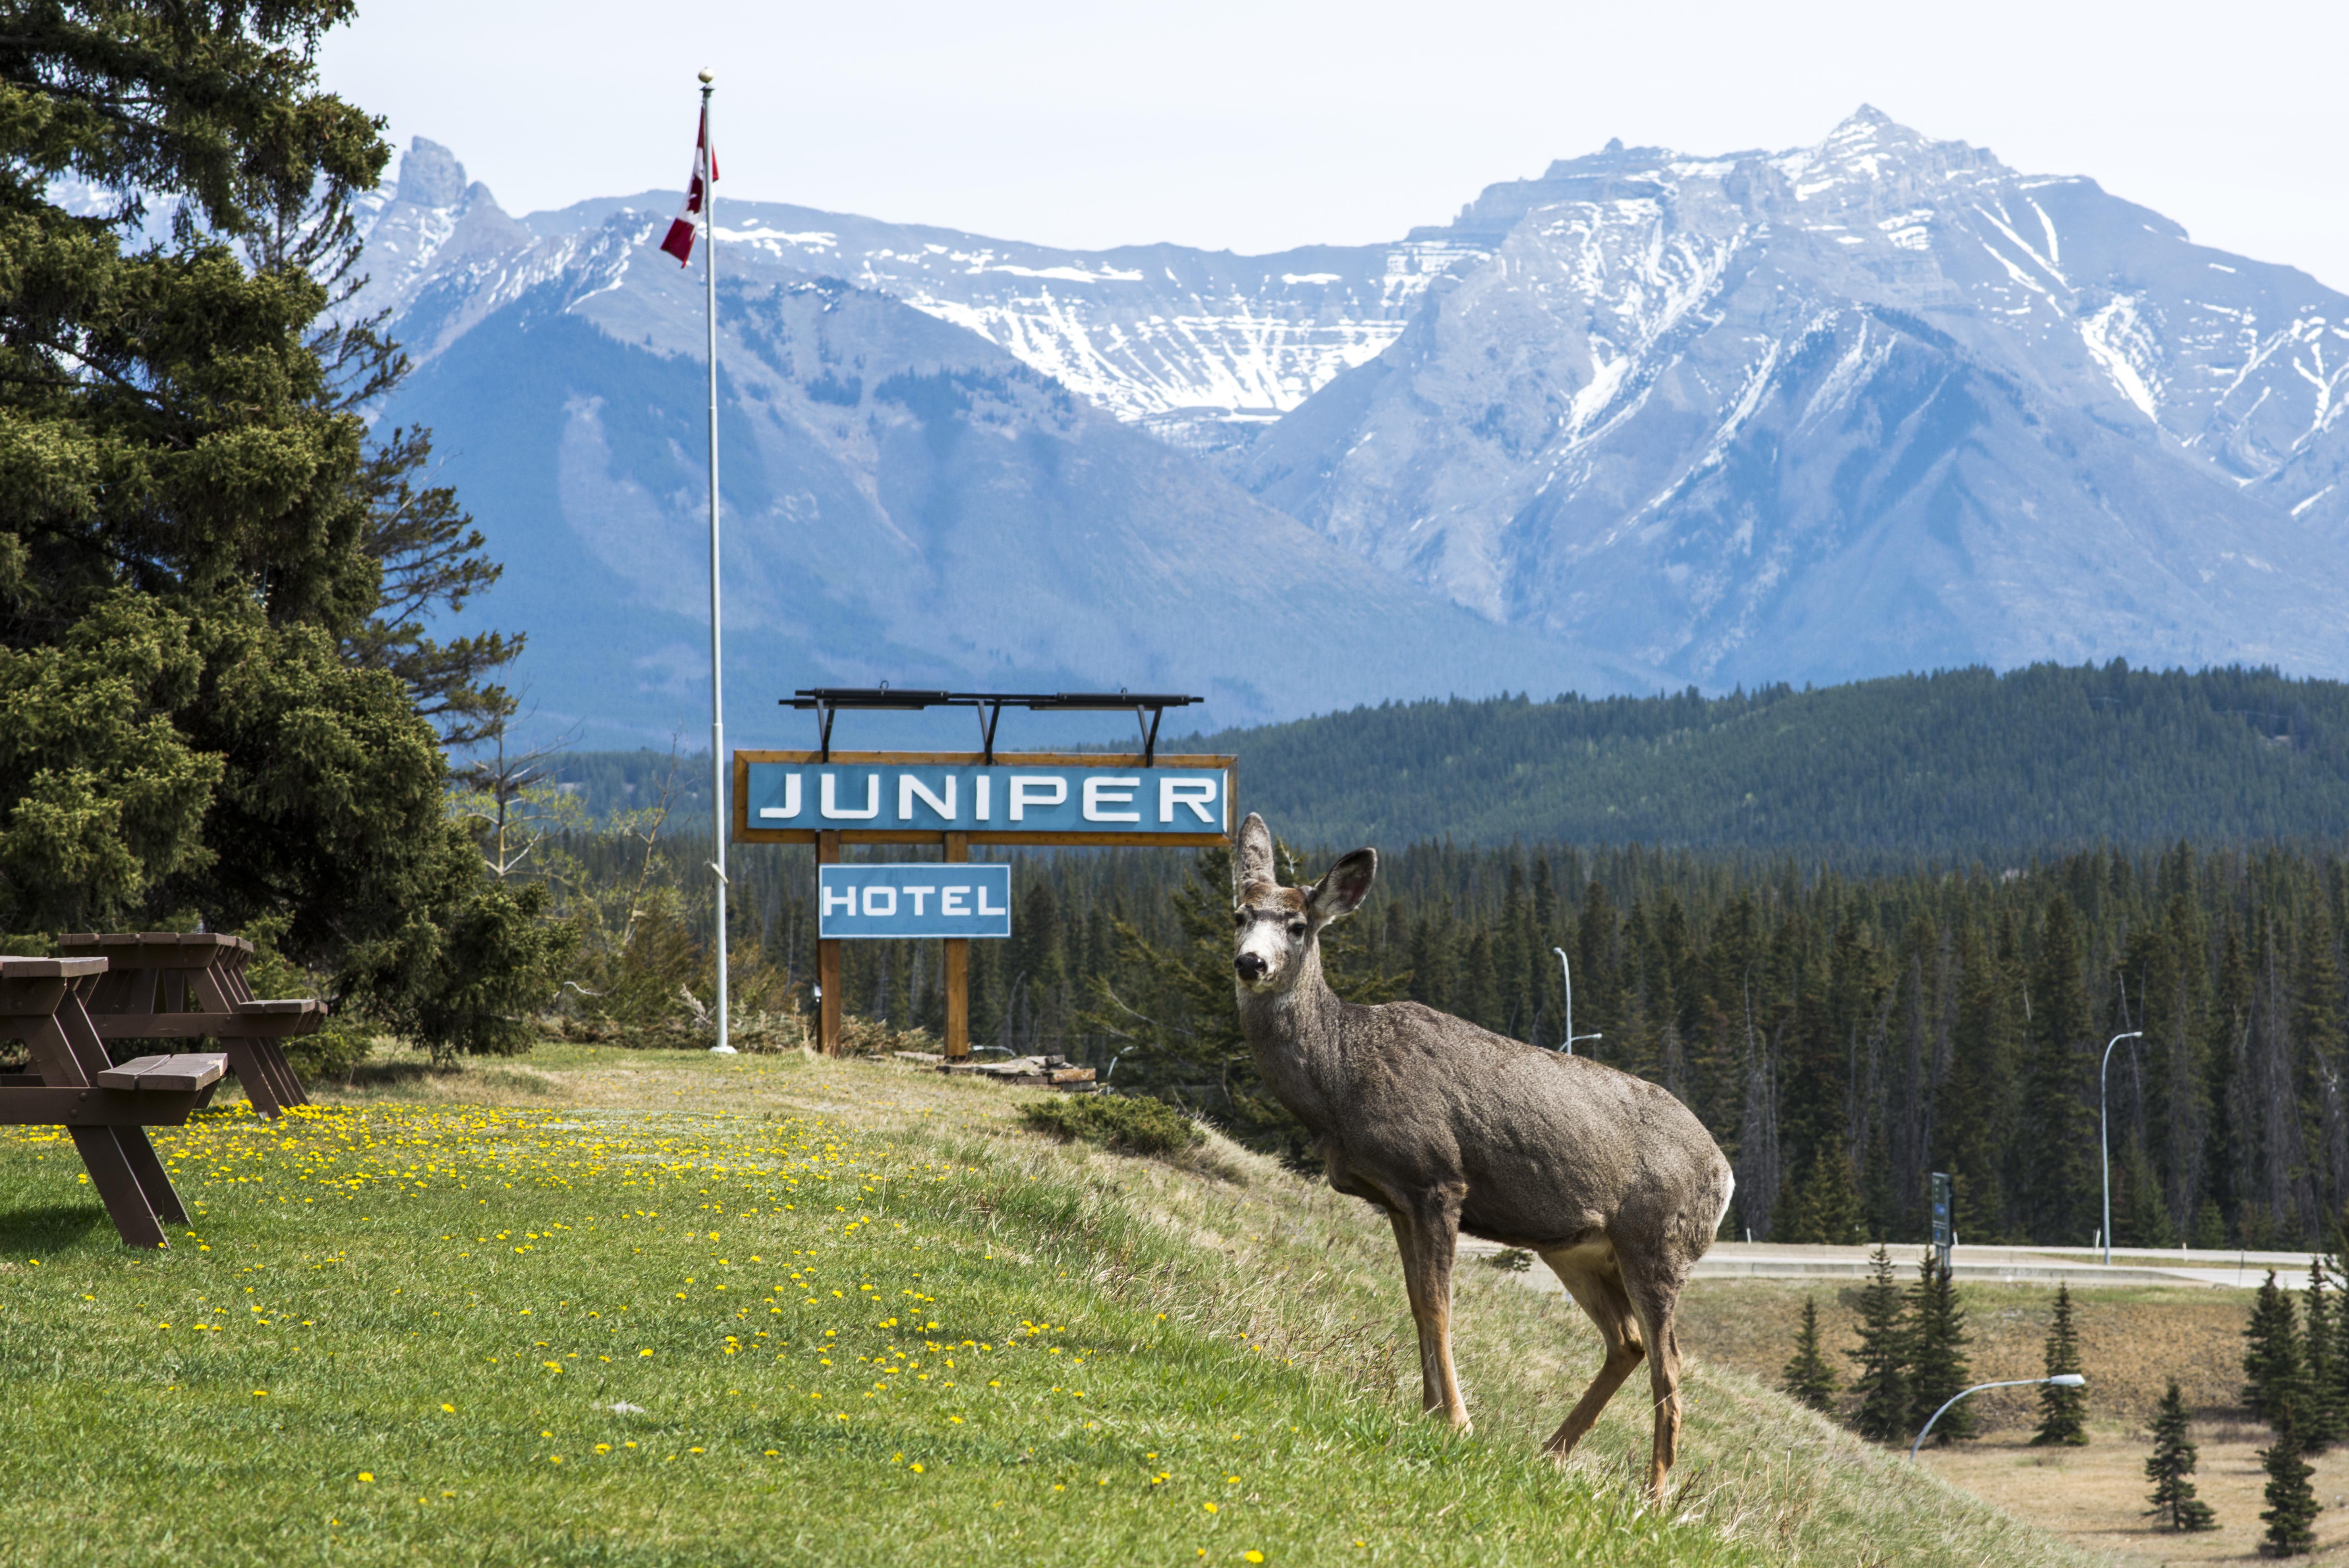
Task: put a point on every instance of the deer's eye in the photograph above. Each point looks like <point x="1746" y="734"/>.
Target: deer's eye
<point x="1297" y="929"/>
<point x="1239" y="917"/>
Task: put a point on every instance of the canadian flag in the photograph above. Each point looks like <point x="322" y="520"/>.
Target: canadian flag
<point x="680" y="243"/>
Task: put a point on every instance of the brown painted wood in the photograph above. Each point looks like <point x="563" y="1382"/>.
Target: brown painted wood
<point x="957" y="975"/>
<point x="188" y="1071"/>
<point x="106" y="1123"/>
<point x="827" y="964"/>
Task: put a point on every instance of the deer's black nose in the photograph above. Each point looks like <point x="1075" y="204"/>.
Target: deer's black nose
<point x="1250" y="966"/>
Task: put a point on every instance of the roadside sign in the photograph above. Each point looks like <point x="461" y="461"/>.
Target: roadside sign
<point x="1943" y="1236"/>
<point x="898" y="798"/>
<point x="901" y="901"/>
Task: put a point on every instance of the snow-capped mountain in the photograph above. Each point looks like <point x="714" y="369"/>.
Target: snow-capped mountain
<point x="1878" y="404"/>
<point x="905" y="500"/>
<point x="1202" y="348"/>
<point x="1875" y="405"/>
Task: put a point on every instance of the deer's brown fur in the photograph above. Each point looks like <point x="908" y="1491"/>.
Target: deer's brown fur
<point x="1449" y="1128"/>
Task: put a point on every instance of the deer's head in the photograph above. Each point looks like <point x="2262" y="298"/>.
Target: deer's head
<point x="1274" y="929"/>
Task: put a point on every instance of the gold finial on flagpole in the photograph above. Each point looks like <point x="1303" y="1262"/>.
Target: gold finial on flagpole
<point x="708" y="76"/>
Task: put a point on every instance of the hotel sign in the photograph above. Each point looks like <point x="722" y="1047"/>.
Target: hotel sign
<point x="898" y="798"/>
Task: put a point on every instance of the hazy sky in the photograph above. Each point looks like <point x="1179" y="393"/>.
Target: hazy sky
<point x="1261" y="125"/>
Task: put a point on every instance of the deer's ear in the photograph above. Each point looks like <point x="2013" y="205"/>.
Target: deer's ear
<point x="1345" y="886"/>
<point x="1254" y="862"/>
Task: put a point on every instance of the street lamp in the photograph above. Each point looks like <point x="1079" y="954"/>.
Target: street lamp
<point x="2061" y="1380"/>
<point x="2104" y="1138"/>
<point x="1568" y="970"/>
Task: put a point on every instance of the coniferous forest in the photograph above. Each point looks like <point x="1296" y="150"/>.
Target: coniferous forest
<point x="1817" y="917"/>
<point x="1841" y="1036"/>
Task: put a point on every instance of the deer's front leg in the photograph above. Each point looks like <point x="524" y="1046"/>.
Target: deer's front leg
<point x="1428" y="1235"/>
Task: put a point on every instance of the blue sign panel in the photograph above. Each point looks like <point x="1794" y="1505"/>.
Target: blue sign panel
<point x="917" y="900"/>
<point x="1044" y="798"/>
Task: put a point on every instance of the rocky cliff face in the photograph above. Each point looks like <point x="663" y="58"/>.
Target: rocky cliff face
<point x="1878" y="404"/>
<point x="1875" y="405"/>
<point x="905" y="500"/>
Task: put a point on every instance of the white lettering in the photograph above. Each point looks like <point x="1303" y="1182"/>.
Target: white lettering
<point x="954" y="900"/>
<point x="834" y="812"/>
<point x="982" y="903"/>
<point x="1028" y="789"/>
<point x="908" y="786"/>
<point x="918" y="895"/>
<point x="790" y="806"/>
<point x="841" y="898"/>
<point x="985" y="789"/>
<point x="1106" y="792"/>
<point x="873" y="901"/>
<point x="1196" y="793"/>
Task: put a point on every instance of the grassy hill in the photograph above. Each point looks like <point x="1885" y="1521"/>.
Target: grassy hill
<point x="634" y="1308"/>
<point x="1961" y="762"/>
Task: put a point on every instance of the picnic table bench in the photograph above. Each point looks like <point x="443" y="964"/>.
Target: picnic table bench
<point x="105" y="1108"/>
<point x="173" y="985"/>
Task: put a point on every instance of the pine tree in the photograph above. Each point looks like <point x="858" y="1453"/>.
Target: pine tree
<point x="2173" y="1460"/>
<point x="1826" y="1206"/>
<point x="2320" y="1413"/>
<point x="1937" y="1369"/>
<point x="1883" y="1354"/>
<point x="2273" y="1370"/>
<point x="1807" y="1377"/>
<point x="2291" y="1502"/>
<point x="2063" y="1412"/>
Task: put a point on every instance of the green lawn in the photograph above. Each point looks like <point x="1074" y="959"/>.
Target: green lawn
<point x="669" y="1310"/>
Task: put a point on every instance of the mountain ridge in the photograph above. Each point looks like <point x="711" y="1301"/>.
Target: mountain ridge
<point x="1876" y="404"/>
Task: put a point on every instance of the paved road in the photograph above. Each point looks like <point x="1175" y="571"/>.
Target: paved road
<point x="2006" y="1265"/>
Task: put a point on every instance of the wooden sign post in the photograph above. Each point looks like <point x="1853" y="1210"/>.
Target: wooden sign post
<point x="833" y="799"/>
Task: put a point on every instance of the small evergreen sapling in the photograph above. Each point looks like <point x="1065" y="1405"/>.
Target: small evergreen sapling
<point x="2291" y="1502"/>
<point x="1883" y="1354"/>
<point x="2273" y="1373"/>
<point x="2063" y="1412"/>
<point x="1807" y="1377"/>
<point x="2173" y="1460"/>
<point x="1937" y="1355"/>
<point x="2320" y="1410"/>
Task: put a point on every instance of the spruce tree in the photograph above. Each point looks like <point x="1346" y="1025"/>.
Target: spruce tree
<point x="2063" y="1412"/>
<point x="1827" y="1206"/>
<point x="219" y="703"/>
<point x="1807" y="1376"/>
<point x="2320" y="1412"/>
<point x="2173" y="1460"/>
<point x="2273" y="1370"/>
<point x="1883" y="1354"/>
<point x="2292" y="1502"/>
<point x="1937" y="1368"/>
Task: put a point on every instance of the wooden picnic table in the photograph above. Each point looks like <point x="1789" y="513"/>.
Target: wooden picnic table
<point x="105" y="1108"/>
<point x="174" y="985"/>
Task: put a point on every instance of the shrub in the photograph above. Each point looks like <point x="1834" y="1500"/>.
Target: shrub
<point x="1120" y="1124"/>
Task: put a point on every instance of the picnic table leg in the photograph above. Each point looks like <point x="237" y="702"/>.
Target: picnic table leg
<point x="118" y="1186"/>
<point x="219" y="990"/>
<point x="246" y="1064"/>
<point x="147" y="1167"/>
<point x="295" y="1094"/>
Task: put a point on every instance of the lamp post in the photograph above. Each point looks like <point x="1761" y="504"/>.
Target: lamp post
<point x="1568" y="970"/>
<point x="2061" y="1380"/>
<point x="2104" y="1138"/>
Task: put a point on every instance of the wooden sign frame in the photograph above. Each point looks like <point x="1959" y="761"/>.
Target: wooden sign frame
<point x="956" y="848"/>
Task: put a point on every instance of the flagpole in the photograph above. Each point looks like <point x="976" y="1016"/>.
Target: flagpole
<point x="717" y="636"/>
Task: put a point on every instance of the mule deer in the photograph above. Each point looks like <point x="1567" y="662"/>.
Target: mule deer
<point x="1449" y="1128"/>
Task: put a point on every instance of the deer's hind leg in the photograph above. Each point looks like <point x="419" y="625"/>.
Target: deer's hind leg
<point x="1655" y="1297"/>
<point x="1428" y="1234"/>
<point x="1591" y="1277"/>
